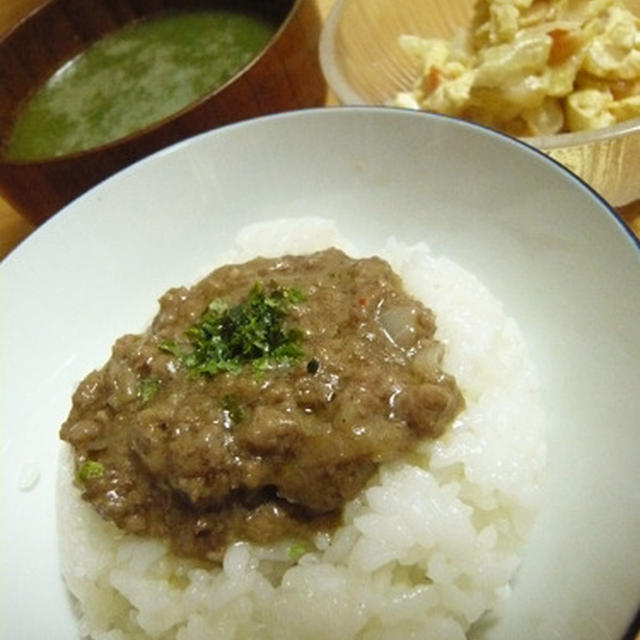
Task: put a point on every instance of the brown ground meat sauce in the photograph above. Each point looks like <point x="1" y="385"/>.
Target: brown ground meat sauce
<point x="263" y="453"/>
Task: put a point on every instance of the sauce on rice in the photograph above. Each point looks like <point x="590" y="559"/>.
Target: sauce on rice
<point x="259" y="402"/>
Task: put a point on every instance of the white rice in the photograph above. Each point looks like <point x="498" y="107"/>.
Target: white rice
<point x="429" y="546"/>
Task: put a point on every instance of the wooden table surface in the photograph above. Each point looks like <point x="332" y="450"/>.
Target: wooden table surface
<point x="14" y="228"/>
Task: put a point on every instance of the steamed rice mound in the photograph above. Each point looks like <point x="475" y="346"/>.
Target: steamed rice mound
<point x="429" y="546"/>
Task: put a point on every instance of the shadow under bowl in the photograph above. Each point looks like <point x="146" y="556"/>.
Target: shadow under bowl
<point x="284" y="75"/>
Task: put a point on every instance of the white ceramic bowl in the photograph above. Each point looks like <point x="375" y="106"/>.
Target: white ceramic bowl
<point x="542" y="241"/>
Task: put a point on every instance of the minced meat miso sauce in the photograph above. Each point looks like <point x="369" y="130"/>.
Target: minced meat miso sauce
<point x="259" y="402"/>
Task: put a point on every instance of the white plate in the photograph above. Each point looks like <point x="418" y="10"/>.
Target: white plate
<point x="556" y="255"/>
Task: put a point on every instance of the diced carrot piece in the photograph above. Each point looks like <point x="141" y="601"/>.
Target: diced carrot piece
<point x="563" y="44"/>
<point x="433" y="79"/>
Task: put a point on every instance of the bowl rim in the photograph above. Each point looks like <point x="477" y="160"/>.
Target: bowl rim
<point x="149" y="129"/>
<point x="523" y="142"/>
<point x="347" y="95"/>
<point x="635" y="623"/>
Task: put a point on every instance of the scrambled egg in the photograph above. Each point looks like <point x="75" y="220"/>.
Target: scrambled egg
<point x="533" y="67"/>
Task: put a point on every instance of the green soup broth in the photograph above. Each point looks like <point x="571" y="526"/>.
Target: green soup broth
<point x="136" y="76"/>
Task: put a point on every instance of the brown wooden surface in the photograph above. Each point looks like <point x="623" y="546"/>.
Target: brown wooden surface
<point x="14" y="228"/>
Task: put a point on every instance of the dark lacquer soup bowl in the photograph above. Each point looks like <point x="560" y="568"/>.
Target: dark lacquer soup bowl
<point x="230" y="61"/>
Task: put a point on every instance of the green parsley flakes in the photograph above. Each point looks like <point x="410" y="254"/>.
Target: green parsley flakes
<point x="252" y="332"/>
<point x="90" y="469"/>
<point x="147" y="389"/>
<point x="296" y="551"/>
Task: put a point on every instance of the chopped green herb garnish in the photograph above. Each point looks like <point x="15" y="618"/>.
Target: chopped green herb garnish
<point x="296" y="551"/>
<point x="90" y="469"/>
<point x="231" y="405"/>
<point x="148" y="388"/>
<point x="252" y="332"/>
